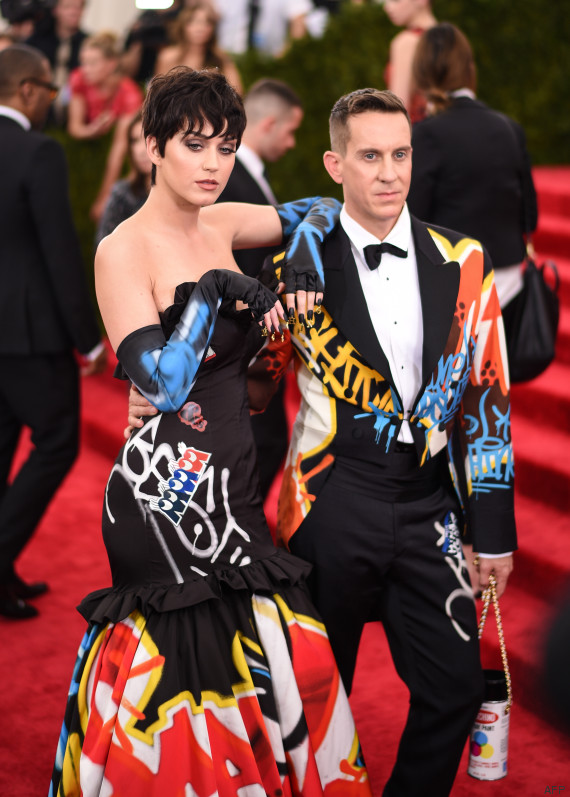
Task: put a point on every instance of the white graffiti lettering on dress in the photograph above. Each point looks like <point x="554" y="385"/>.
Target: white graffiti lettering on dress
<point x="152" y="466"/>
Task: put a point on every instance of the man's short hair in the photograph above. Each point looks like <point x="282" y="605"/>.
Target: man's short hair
<point x="269" y="96"/>
<point x="358" y="102"/>
<point x="18" y="62"/>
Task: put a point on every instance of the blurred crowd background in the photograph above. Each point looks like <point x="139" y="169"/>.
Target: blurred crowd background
<point x="320" y="48"/>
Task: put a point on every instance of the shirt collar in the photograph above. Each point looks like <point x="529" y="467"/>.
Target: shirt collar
<point x="250" y="160"/>
<point x="465" y="92"/>
<point x="400" y="235"/>
<point x="17" y="116"/>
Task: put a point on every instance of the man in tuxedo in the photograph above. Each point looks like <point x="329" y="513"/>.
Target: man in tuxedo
<point x="45" y="313"/>
<point x="402" y="437"/>
<point x="274" y="113"/>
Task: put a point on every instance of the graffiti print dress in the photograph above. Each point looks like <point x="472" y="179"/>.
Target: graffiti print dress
<point x="204" y="670"/>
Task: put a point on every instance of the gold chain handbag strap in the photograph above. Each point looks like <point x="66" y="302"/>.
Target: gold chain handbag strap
<point x="490" y="594"/>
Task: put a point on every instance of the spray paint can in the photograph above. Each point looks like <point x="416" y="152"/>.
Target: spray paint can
<point x="488" y="744"/>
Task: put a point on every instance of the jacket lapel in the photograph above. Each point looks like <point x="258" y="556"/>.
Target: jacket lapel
<point x="345" y="303"/>
<point x="439" y="287"/>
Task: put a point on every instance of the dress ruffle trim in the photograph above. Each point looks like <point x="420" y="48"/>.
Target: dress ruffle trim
<point x="264" y="575"/>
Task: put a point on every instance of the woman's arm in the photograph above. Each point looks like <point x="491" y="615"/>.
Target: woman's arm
<point x="113" y="166"/>
<point x="304" y="224"/>
<point x="232" y="74"/>
<point x="164" y="371"/>
<point x="402" y="51"/>
<point x="77" y="125"/>
<point x="166" y="59"/>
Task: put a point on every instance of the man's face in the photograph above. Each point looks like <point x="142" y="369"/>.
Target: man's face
<point x="280" y="137"/>
<point x="68" y="13"/>
<point x="376" y="169"/>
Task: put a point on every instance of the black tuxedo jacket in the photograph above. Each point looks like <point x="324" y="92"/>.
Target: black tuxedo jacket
<point x="242" y="187"/>
<point x="350" y="404"/>
<point x="471" y="172"/>
<point x="45" y="306"/>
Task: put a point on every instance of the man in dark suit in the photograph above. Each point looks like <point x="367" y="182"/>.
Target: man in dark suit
<point x="45" y="313"/>
<point x="274" y="113"/>
<point x="471" y="163"/>
<point x="404" y="397"/>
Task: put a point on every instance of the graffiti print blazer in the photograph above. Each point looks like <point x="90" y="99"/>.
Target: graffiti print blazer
<point x="350" y="406"/>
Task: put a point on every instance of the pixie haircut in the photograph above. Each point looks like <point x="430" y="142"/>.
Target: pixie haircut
<point x="357" y="102"/>
<point x="186" y="100"/>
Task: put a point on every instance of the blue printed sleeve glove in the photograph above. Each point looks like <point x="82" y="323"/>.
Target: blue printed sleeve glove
<point x="303" y="267"/>
<point x="291" y="214"/>
<point x="164" y="371"/>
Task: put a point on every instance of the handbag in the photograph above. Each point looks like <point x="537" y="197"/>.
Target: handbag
<point x="531" y="325"/>
<point x="488" y="741"/>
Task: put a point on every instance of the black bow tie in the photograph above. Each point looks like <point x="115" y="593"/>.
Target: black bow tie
<point x="373" y="253"/>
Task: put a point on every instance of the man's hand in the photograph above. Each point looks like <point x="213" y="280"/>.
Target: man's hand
<point x="96" y="366"/>
<point x="139" y="407"/>
<point x="500" y="566"/>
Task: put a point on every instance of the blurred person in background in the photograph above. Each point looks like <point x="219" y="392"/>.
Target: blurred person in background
<point x="130" y="193"/>
<point x="195" y="44"/>
<point x="59" y="38"/>
<point x="6" y="39"/>
<point x="472" y="168"/>
<point x="273" y="112"/>
<point x="147" y="36"/>
<point x="45" y="315"/>
<point x="415" y="16"/>
<point x="22" y="17"/>
<point x="265" y="25"/>
<point x="102" y="99"/>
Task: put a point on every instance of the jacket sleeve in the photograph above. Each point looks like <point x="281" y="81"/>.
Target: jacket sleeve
<point x="484" y="428"/>
<point x="49" y="202"/>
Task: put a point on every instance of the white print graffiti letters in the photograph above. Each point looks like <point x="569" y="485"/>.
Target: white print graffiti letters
<point x="165" y="485"/>
<point x="450" y="543"/>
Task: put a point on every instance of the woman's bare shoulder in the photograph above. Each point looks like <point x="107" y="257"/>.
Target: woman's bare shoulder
<point x="167" y="58"/>
<point x="124" y="244"/>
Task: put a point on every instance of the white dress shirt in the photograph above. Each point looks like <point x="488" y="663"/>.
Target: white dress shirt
<point x="17" y="116"/>
<point x="392" y="294"/>
<point x="255" y="166"/>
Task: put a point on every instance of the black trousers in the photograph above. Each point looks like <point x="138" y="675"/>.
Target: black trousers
<point x="41" y="392"/>
<point x="385" y="545"/>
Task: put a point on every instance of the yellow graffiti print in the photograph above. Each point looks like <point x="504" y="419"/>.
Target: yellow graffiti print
<point x="340" y="367"/>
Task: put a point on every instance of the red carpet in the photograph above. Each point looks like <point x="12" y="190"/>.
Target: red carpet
<point x="36" y="656"/>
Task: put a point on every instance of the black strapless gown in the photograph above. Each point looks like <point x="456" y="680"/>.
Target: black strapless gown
<point x="205" y="669"/>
